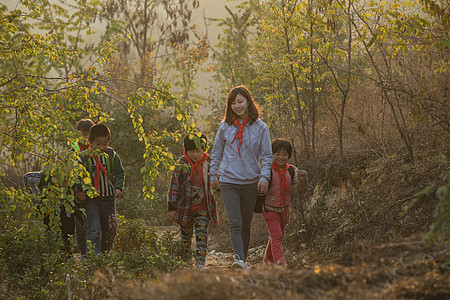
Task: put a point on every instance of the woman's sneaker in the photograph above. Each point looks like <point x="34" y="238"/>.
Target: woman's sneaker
<point x="239" y="263"/>
<point x="201" y="267"/>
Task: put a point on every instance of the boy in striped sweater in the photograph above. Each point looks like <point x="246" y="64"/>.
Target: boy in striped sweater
<point x="108" y="176"/>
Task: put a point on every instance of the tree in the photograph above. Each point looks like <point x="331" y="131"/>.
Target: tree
<point x="40" y="104"/>
<point x="288" y="67"/>
<point x="160" y="42"/>
<point x="231" y="58"/>
<point x="153" y="28"/>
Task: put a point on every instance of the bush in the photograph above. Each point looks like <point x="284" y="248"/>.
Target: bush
<point x="142" y="251"/>
<point x="439" y="233"/>
<point x="133" y="205"/>
<point x="34" y="266"/>
<point x="29" y="256"/>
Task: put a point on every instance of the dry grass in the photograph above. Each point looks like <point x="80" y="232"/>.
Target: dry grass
<point x="352" y="244"/>
<point x="397" y="270"/>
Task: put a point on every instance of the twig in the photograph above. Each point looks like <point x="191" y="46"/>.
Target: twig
<point x="401" y="201"/>
<point x="69" y="291"/>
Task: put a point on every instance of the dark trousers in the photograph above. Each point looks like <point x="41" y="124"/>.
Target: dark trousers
<point x="101" y="223"/>
<point x="67" y="226"/>
<point x="80" y="231"/>
<point x="239" y="201"/>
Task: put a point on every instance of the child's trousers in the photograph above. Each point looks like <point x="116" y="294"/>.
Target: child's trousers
<point x="101" y="222"/>
<point x="276" y="223"/>
<point x="200" y="222"/>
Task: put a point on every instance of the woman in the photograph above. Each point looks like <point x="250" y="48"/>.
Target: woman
<point x="241" y="146"/>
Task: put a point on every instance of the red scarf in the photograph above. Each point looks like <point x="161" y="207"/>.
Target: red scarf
<point x="196" y="168"/>
<point x="240" y="134"/>
<point x="98" y="166"/>
<point x="283" y="183"/>
<point x="80" y="145"/>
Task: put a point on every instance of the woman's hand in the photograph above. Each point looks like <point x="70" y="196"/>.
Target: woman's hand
<point x="171" y="216"/>
<point x="215" y="185"/>
<point x="262" y="187"/>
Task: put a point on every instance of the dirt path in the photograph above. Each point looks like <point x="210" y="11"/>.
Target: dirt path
<point x="216" y="259"/>
<point x="399" y="270"/>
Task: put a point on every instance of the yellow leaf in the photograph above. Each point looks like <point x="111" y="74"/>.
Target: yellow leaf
<point x="179" y="117"/>
<point x="87" y="180"/>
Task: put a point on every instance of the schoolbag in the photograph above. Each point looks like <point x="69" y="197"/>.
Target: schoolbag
<point x="261" y="199"/>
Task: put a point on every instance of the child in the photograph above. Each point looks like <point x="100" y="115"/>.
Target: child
<point x="70" y="222"/>
<point x="277" y="204"/>
<point x="84" y="125"/>
<point x="108" y="176"/>
<point x="190" y="200"/>
<point x="240" y="166"/>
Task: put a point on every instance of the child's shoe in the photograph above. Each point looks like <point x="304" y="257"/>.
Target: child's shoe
<point x="239" y="263"/>
<point x="281" y="266"/>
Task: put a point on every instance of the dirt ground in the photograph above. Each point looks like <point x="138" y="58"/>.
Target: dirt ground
<point x="340" y="244"/>
<point x="401" y="269"/>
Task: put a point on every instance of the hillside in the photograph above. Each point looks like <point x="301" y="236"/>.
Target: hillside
<point x="362" y="244"/>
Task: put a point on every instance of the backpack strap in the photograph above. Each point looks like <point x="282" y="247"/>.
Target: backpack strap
<point x="110" y="161"/>
<point x="291" y="171"/>
<point x="270" y="179"/>
<point x="87" y="162"/>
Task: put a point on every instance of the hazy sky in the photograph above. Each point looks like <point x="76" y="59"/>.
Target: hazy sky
<point x="208" y="8"/>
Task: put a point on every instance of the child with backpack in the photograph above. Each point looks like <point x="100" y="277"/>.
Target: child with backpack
<point x="191" y="202"/>
<point x="108" y="176"/>
<point x="276" y="206"/>
<point x="35" y="184"/>
<point x="83" y="125"/>
<point x="70" y="222"/>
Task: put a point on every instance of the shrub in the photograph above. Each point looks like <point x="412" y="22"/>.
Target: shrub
<point x="34" y="266"/>
<point x="28" y="257"/>
<point x="439" y="233"/>
<point x="141" y="250"/>
<point x="133" y="205"/>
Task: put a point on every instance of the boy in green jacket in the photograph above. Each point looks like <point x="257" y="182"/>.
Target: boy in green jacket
<point x="108" y="176"/>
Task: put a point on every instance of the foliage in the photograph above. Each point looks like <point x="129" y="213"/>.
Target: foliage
<point x="232" y="57"/>
<point x="439" y="233"/>
<point x="45" y="89"/>
<point x="234" y="62"/>
<point x="34" y="266"/>
<point x="157" y="153"/>
<point x="29" y="259"/>
<point x="142" y="251"/>
<point x="158" y="40"/>
<point x="188" y="62"/>
<point x="133" y="205"/>
<point x="442" y="40"/>
<point x="291" y="75"/>
<point x="441" y="224"/>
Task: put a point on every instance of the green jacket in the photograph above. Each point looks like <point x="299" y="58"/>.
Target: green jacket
<point x="116" y="172"/>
